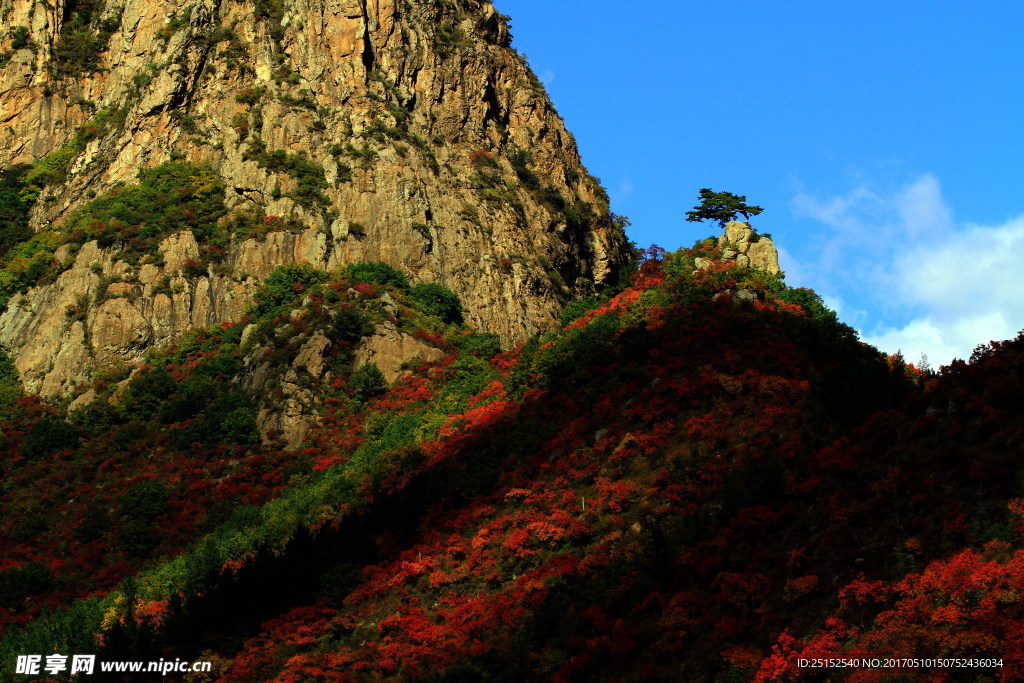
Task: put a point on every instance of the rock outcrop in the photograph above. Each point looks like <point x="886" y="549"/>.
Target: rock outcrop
<point x="289" y="373"/>
<point x="389" y="349"/>
<point x="403" y="131"/>
<point x="741" y="244"/>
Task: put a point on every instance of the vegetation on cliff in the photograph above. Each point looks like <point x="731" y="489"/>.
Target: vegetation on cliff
<point x="698" y="473"/>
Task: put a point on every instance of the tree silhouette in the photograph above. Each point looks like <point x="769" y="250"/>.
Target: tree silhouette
<point x="722" y="207"/>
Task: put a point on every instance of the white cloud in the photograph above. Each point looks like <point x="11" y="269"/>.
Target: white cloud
<point x="925" y="284"/>
<point x="837" y="212"/>
<point x="921" y="209"/>
<point x="941" y="342"/>
<point x="975" y="266"/>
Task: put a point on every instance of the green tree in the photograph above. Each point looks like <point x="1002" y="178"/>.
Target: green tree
<point x="14" y="208"/>
<point x="722" y="207"/>
<point x="49" y="434"/>
<point x="433" y="299"/>
<point x="377" y="273"/>
<point x="282" y="287"/>
<point x="10" y="385"/>
<point x="368" y="381"/>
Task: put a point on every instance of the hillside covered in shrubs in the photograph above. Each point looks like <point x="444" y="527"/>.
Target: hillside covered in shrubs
<point x="703" y="476"/>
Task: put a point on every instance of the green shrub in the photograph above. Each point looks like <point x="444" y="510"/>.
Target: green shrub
<point x="77" y="51"/>
<point x="17" y="584"/>
<point x="807" y="299"/>
<point x="449" y="37"/>
<point x="368" y="381"/>
<point x="424" y="230"/>
<point x="467" y="376"/>
<point x="188" y="399"/>
<point x="351" y="324"/>
<point x="144" y="500"/>
<point x="250" y="94"/>
<point x="344" y="174"/>
<point x="580" y="351"/>
<point x="309" y="175"/>
<point x="552" y="197"/>
<point x="25" y="264"/>
<point x="479" y="344"/>
<point x="377" y="273"/>
<point x="48" y="435"/>
<point x="175" y="23"/>
<point x="148" y="390"/>
<point x="98" y="419"/>
<point x="141" y="505"/>
<point x="364" y="155"/>
<point x="281" y="288"/>
<point x="79" y="312"/>
<point x="579" y="217"/>
<point x="14" y="208"/>
<point x="574" y="309"/>
<point x="230" y="417"/>
<point x="203" y="406"/>
<point x="520" y="160"/>
<point x="253" y="223"/>
<point x="171" y="197"/>
<point x="10" y="385"/>
<point x="681" y="263"/>
<point x="433" y="299"/>
<point x="21" y="38"/>
<point x="54" y="167"/>
<point x="82" y="40"/>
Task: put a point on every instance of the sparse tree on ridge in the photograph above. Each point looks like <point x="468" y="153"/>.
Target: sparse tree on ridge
<point x="722" y="207"/>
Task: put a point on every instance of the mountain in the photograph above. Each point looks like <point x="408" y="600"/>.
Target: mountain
<point x="331" y="133"/>
<point x="705" y="477"/>
<point x="408" y="454"/>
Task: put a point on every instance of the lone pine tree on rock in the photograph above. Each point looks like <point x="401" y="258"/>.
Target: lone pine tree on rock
<point x="722" y="207"/>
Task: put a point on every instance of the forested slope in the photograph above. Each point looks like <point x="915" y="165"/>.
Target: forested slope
<point x="703" y="477"/>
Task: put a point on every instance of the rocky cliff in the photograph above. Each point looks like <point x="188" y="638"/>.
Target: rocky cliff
<point x="403" y="131"/>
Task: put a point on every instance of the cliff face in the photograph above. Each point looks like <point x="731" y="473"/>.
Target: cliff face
<point x="400" y="131"/>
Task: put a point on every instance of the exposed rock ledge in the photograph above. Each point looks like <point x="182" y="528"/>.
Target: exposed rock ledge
<point x="741" y="244"/>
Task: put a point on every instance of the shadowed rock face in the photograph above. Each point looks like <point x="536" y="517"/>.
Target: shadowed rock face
<point x="429" y="143"/>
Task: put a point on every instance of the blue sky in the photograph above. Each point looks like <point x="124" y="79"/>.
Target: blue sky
<point x="883" y="139"/>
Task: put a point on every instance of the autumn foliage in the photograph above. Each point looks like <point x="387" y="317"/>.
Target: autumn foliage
<point x="681" y="484"/>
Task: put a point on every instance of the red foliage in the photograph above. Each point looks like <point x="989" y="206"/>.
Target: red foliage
<point x="691" y="512"/>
